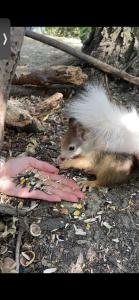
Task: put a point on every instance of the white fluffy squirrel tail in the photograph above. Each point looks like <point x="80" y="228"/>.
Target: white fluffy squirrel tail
<point x="112" y="128"/>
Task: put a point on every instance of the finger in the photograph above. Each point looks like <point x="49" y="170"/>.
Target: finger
<point x="55" y="197"/>
<point x="64" y="195"/>
<point x="70" y="182"/>
<point x="64" y="188"/>
<point x="63" y="180"/>
<point x="77" y="193"/>
<point x="42" y="166"/>
<point x="36" y="194"/>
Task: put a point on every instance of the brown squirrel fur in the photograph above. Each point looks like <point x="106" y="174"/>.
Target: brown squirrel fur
<point x="109" y="168"/>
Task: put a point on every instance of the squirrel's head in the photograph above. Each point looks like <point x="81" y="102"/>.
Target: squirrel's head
<point x="71" y="144"/>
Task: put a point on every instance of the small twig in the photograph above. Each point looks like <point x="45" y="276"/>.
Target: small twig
<point x="24" y="226"/>
<point x="18" y="244"/>
<point x="107" y="87"/>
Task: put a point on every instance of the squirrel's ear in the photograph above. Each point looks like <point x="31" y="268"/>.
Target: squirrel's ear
<point x="80" y="131"/>
<point x="77" y="127"/>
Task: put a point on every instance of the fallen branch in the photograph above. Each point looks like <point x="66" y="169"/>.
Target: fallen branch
<point x="89" y="59"/>
<point x="41" y="91"/>
<point x="18" y="244"/>
<point x="107" y="86"/>
<point x="55" y="74"/>
<point x="22" y="91"/>
<point x="13" y="211"/>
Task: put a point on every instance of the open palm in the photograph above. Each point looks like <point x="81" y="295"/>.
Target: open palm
<point x="59" y="188"/>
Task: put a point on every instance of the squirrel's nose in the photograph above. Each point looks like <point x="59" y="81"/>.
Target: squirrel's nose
<point x="60" y="159"/>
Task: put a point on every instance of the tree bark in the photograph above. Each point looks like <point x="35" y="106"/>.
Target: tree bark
<point x="114" y="45"/>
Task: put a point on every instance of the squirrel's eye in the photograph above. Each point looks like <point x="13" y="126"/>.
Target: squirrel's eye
<point x="71" y="148"/>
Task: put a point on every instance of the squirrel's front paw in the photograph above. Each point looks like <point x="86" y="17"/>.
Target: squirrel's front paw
<point x="84" y="184"/>
<point x="64" y="165"/>
<point x="61" y="166"/>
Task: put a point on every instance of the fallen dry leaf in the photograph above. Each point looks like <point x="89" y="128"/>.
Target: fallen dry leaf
<point x="8" y="265"/>
<point x="78" y="267"/>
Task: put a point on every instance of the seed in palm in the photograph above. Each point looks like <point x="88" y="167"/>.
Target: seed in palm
<point x="33" y="180"/>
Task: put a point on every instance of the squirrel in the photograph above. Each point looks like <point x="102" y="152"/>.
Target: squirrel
<point x="102" y="138"/>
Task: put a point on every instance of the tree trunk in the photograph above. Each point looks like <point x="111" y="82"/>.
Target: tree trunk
<point x="7" y="68"/>
<point x="113" y="45"/>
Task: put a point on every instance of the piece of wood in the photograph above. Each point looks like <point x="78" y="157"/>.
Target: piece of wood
<point x="55" y="74"/>
<point x="13" y="211"/>
<point x="48" y="104"/>
<point x="89" y="59"/>
<point x="36" y="77"/>
<point x="46" y="108"/>
<point x="20" y="118"/>
<point x="23" y="91"/>
<point x="41" y="91"/>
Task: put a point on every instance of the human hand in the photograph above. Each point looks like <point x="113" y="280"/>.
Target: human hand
<point x="60" y="188"/>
